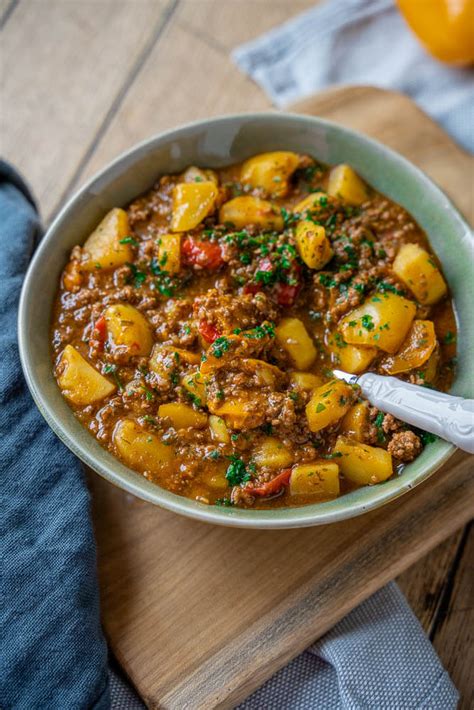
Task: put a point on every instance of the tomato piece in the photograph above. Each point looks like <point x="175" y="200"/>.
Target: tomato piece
<point x="287" y="294"/>
<point x="208" y="331"/>
<point x="251" y="288"/>
<point x="99" y="332"/>
<point x="205" y="255"/>
<point x="271" y="487"/>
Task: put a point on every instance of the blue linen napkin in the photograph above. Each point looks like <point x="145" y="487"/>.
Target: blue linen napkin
<point x="53" y="653"/>
<point x="359" y="42"/>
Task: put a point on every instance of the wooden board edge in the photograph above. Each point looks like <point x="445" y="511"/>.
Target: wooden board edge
<point x="285" y="632"/>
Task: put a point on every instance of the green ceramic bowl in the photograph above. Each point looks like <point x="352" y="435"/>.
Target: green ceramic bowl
<point x="216" y="143"/>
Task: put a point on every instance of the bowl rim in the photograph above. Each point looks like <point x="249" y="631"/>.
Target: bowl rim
<point x="298" y="516"/>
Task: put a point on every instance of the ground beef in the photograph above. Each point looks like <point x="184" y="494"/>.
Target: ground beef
<point x="227" y="312"/>
<point x="240" y="496"/>
<point x="405" y="446"/>
<point x="390" y="424"/>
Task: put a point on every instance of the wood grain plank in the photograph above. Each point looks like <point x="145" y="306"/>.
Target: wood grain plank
<point x="82" y="54"/>
<point x="227" y="24"/>
<point x="165" y="106"/>
<point x="178" y="90"/>
<point x="424" y="584"/>
<point x="295" y="585"/>
<point x="453" y="635"/>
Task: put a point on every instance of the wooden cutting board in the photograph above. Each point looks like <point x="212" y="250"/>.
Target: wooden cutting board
<point x="199" y="616"/>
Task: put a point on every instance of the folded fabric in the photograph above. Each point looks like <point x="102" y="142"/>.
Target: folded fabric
<point x="359" y="42"/>
<point x="376" y="657"/>
<point x="53" y="652"/>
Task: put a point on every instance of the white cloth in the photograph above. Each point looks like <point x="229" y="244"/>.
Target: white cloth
<point x="359" y="42"/>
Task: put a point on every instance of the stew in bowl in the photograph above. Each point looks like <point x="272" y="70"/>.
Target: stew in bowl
<point x="195" y="331"/>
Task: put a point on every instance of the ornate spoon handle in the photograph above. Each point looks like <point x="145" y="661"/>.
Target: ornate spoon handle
<point x="447" y="416"/>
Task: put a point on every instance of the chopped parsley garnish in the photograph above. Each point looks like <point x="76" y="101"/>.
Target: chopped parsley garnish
<point x="138" y="277"/>
<point x="378" y="423"/>
<point x="340" y="342"/>
<point x="266" y="277"/>
<point x="149" y="396"/>
<point x="427" y="438"/>
<point x="384" y="287"/>
<point x="112" y="370"/>
<point x="220" y="346"/>
<point x="260" y="331"/>
<point x="164" y="283"/>
<point x="129" y="240"/>
<point x="327" y="280"/>
<point x="194" y="399"/>
<point x="237" y="472"/>
<point x="289" y="218"/>
<point x="225" y="502"/>
<point x="367" y="322"/>
<point x="449" y="338"/>
<point x="320" y="408"/>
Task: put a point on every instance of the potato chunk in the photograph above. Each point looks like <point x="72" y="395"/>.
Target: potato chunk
<point x="195" y="384"/>
<point x="347" y="185"/>
<point x="363" y="464"/>
<point x="270" y="171"/>
<point x="318" y="478"/>
<point x="416" y="349"/>
<point x="350" y="358"/>
<point x="305" y="380"/>
<point x="382" y="321"/>
<point x="272" y="453"/>
<point x="195" y="174"/>
<point x="165" y="359"/>
<point x="102" y="249"/>
<point x="79" y="381"/>
<point x="419" y="272"/>
<point x="140" y="449"/>
<point x="313" y="245"/>
<point x="293" y="337"/>
<point x="314" y="202"/>
<point x="182" y="415"/>
<point x="169" y="252"/>
<point x="242" y="211"/>
<point x="356" y="421"/>
<point x="219" y="431"/>
<point x="328" y="404"/>
<point x="128" y="330"/>
<point x="192" y="202"/>
<point x="238" y="412"/>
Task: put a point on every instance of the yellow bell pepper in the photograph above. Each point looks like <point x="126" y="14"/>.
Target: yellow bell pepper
<point x="444" y="27"/>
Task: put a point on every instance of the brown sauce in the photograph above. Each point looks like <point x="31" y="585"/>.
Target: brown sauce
<point x="213" y="299"/>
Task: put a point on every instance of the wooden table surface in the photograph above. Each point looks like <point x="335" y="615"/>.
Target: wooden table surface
<point x="83" y="80"/>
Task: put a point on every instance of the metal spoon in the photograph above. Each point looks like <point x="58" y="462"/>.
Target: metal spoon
<point x="447" y="416"/>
